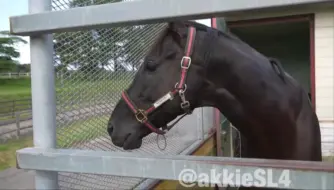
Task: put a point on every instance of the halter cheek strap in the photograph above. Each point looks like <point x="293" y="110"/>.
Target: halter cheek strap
<point x="179" y="88"/>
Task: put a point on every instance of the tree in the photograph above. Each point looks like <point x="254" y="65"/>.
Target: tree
<point x="8" y="52"/>
<point x="25" y="68"/>
<point x="89" y="50"/>
<point x="139" y="42"/>
<point x="107" y="47"/>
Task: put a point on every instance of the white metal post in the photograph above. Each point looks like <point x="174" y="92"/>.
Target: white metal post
<point x="43" y="95"/>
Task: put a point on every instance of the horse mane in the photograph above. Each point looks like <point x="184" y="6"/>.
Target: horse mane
<point x="200" y="27"/>
<point x="226" y="34"/>
<point x="275" y="63"/>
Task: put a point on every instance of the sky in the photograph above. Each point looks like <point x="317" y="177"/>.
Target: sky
<point x="10" y="8"/>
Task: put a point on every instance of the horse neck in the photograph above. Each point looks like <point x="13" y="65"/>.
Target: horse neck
<point x="223" y="79"/>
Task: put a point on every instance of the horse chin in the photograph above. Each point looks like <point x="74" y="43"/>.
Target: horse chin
<point x="132" y="143"/>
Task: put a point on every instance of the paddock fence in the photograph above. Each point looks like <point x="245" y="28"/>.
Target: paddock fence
<point x="11" y="75"/>
<point x="97" y="49"/>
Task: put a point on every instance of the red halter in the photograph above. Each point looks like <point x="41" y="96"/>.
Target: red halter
<point x="180" y="87"/>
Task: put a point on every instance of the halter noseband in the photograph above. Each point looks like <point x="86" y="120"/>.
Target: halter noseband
<point x="180" y="88"/>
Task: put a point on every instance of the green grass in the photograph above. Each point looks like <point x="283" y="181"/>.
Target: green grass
<point x="78" y="132"/>
<point x="11" y="89"/>
<point x="81" y="131"/>
<point x="8" y="151"/>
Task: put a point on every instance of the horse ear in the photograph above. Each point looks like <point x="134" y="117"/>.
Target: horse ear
<point x="175" y="25"/>
<point x="174" y="28"/>
<point x="171" y="25"/>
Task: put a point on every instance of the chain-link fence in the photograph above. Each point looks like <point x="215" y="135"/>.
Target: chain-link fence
<point x="92" y="68"/>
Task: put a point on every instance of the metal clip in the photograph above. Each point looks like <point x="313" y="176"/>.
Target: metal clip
<point x="184" y="102"/>
<point x="181" y="89"/>
<point x="181" y="94"/>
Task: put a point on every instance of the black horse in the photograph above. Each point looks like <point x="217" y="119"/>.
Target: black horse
<point x="192" y="65"/>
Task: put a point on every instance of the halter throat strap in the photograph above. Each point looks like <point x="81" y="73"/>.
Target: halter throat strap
<point x="180" y="88"/>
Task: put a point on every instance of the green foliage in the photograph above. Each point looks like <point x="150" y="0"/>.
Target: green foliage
<point x="8" y="52"/>
<point x="24" y="68"/>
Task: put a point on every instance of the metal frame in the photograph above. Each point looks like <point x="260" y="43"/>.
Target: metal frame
<point x="139" y="12"/>
<point x="47" y="160"/>
<point x="150" y="183"/>
<point x="43" y="95"/>
<point x="304" y="175"/>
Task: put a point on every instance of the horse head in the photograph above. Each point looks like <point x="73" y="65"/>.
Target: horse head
<point x="167" y="84"/>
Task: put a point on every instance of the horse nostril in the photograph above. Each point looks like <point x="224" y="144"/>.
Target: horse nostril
<point x="110" y="129"/>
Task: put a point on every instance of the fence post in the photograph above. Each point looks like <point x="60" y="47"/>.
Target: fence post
<point x="227" y="144"/>
<point x="43" y="95"/>
<point x="17" y="120"/>
<point x="13" y="108"/>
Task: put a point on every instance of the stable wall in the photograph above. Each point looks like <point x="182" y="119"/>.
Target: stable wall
<point x="324" y="78"/>
<point x="324" y="67"/>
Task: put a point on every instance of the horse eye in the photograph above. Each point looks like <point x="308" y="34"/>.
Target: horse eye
<point x="171" y="55"/>
<point x="150" y="65"/>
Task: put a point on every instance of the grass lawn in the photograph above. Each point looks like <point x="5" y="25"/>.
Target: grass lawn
<point x="8" y="151"/>
<point x="77" y="132"/>
<point x="11" y="89"/>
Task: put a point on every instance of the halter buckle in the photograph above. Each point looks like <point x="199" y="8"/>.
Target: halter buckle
<point x="182" y="60"/>
<point x="141" y="116"/>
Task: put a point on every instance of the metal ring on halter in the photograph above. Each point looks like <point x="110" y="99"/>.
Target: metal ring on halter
<point x="182" y="90"/>
<point x="164" y="141"/>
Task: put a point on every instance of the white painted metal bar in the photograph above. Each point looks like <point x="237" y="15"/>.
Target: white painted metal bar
<point x="138" y="12"/>
<point x="302" y="174"/>
<point x="151" y="182"/>
<point x="43" y="95"/>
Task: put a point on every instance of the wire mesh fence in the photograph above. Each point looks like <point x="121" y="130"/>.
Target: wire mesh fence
<point x="92" y="69"/>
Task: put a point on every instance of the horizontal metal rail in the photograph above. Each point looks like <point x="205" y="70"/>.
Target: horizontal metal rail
<point x="149" y="183"/>
<point x="302" y="174"/>
<point x="137" y="12"/>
